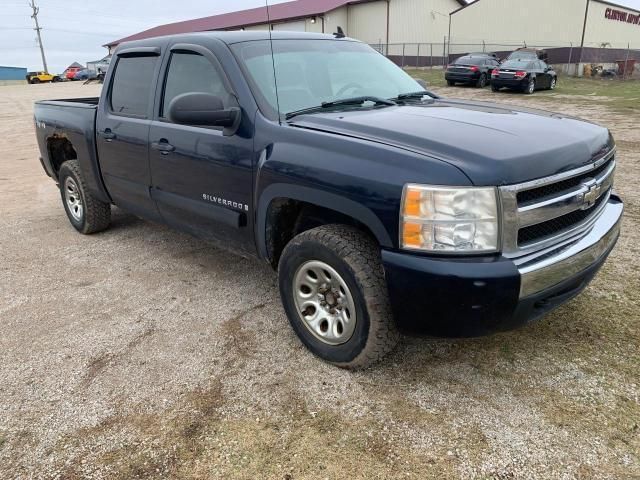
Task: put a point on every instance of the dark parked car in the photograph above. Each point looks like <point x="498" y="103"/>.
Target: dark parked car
<point x="85" y="74"/>
<point x="473" y="69"/>
<point x="524" y="75"/>
<point x="381" y="205"/>
<point x="528" y="54"/>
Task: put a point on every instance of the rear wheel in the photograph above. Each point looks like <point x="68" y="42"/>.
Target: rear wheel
<point x="86" y="213"/>
<point x="495" y="88"/>
<point x="531" y="87"/>
<point x="482" y="81"/>
<point x="554" y="83"/>
<point x="334" y="293"/>
<point x="451" y="83"/>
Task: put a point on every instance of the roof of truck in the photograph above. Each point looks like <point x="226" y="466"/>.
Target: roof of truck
<point x="231" y="37"/>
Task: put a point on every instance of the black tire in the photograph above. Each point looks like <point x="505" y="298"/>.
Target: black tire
<point x="495" y="88"/>
<point x="356" y="258"/>
<point x="451" y="83"/>
<point x="95" y="215"/>
<point x="35" y="81"/>
<point x="482" y="81"/>
<point x="554" y="83"/>
<point x="529" y="89"/>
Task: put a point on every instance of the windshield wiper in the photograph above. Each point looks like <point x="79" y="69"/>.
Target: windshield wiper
<point x="418" y="94"/>
<point x="340" y="103"/>
<point x="358" y="101"/>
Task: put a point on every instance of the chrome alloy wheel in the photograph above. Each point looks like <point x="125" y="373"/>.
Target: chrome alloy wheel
<point x="324" y="303"/>
<point x="73" y="198"/>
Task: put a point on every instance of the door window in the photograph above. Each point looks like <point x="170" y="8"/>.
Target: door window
<point x="190" y="72"/>
<point x="131" y="85"/>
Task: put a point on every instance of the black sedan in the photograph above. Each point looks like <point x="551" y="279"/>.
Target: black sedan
<point x="472" y="69"/>
<point x="524" y="75"/>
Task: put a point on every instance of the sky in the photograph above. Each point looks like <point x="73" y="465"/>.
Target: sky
<point x="75" y="30"/>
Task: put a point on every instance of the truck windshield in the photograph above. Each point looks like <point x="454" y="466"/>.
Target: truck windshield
<point x="312" y="72"/>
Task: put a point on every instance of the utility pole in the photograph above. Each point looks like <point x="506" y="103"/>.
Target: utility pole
<point x="35" y="9"/>
<point x="584" y="31"/>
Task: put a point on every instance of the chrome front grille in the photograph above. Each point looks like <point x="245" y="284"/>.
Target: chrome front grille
<point x="550" y="211"/>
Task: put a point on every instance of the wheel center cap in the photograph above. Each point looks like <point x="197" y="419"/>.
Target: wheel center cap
<point x="330" y="298"/>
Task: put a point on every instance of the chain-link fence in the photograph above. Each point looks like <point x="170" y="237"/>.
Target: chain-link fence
<point x="604" y="58"/>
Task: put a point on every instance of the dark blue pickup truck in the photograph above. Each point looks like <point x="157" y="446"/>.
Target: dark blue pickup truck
<point x="383" y="207"/>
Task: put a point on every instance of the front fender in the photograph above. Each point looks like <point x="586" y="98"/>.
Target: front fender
<point x="320" y="198"/>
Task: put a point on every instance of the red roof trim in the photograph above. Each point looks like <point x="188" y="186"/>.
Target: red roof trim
<point x="253" y="16"/>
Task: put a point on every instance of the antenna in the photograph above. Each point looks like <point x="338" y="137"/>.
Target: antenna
<point x="35" y="9"/>
<point x="273" y="62"/>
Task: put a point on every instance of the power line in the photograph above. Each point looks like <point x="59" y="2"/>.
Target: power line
<point x="37" y="29"/>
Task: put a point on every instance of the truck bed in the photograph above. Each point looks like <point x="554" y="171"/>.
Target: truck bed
<point x="91" y="102"/>
<point x="69" y="121"/>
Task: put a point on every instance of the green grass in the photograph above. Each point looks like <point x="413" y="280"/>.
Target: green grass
<point x="620" y="96"/>
<point x="435" y="77"/>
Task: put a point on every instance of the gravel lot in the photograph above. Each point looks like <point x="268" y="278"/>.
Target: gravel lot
<point x="143" y="353"/>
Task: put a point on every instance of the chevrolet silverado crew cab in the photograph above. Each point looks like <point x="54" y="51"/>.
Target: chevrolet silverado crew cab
<point x="383" y="207"/>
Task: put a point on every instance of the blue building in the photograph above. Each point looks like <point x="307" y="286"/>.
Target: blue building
<point x="12" y="73"/>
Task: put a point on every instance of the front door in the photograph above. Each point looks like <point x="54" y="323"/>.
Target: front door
<point x="201" y="179"/>
<point x="122" y="133"/>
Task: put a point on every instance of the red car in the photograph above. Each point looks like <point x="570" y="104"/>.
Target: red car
<point x="70" y="72"/>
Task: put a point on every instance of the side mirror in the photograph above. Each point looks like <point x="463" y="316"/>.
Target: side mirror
<point x="204" y="109"/>
<point x="422" y="83"/>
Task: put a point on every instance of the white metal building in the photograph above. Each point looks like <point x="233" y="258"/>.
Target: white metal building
<point x="431" y="32"/>
<point x="372" y="21"/>
<point x="545" y="23"/>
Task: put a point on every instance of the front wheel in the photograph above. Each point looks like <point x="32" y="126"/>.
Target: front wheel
<point x="86" y="213"/>
<point x="334" y="293"/>
<point x="482" y="81"/>
<point x="554" y="83"/>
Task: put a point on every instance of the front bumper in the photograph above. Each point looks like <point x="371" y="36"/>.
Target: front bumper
<point x="474" y="296"/>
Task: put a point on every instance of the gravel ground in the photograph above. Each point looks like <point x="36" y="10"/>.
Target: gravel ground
<point x="143" y="353"/>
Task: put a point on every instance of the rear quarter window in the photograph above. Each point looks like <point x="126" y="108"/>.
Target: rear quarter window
<point x="131" y="85"/>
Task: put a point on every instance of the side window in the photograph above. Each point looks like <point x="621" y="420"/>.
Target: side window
<point x="190" y="72"/>
<point x="131" y="85"/>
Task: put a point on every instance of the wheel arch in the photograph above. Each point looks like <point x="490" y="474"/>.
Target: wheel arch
<point x="293" y="202"/>
<point x="60" y="149"/>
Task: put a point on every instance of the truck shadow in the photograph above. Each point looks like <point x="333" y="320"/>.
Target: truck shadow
<point x="571" y="329"/>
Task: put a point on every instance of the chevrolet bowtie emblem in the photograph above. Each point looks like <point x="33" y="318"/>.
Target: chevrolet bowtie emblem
<point x="591" y="195"/>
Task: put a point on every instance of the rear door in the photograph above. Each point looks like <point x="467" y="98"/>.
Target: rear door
<point x="201" y="178"/>
<point x="545" y="72"/>
<point x="122" y="130"/>
<point x="541" y="75"/>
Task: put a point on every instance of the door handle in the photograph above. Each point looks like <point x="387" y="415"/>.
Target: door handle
<point x="163" y="146"/>
<point x="108" y="135"/>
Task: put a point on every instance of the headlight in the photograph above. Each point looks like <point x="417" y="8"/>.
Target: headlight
<point x="449" y="219"/>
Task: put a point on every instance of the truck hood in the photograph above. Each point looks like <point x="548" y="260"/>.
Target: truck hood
<point x="492" y="144"/>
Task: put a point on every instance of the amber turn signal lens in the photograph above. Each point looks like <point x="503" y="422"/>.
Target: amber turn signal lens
<point x="411" y="235"/>
<point x="412" y="203"/>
